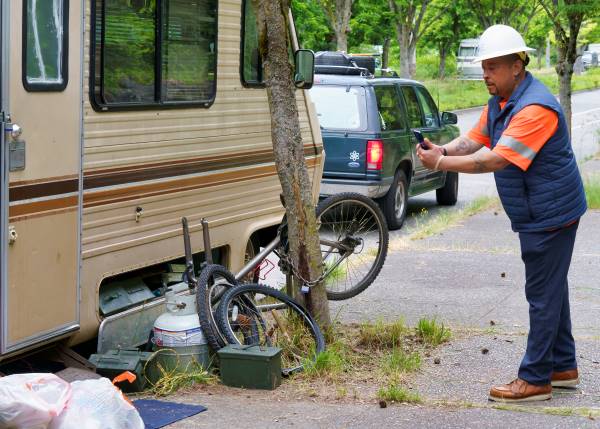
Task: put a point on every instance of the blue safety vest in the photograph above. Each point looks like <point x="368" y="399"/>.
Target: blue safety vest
<point x="550" y="193"/>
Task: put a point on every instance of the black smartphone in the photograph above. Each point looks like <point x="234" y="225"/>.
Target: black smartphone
<point x="420" y="139"/>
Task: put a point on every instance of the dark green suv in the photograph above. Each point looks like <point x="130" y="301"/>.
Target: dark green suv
<point x="367" y="126"/>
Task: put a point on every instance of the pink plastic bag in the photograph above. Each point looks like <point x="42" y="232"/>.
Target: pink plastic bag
<point x="31" y="401"/>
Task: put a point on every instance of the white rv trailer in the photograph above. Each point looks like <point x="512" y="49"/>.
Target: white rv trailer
<point x="467" y="51"/>
<point x="122" y="116"/>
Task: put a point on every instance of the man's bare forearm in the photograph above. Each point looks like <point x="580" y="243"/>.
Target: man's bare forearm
<point x="482" y="162"/>
<point x="462" y="146"/>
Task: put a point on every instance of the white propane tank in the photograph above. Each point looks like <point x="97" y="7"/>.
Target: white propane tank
<point x="178" y="337"/>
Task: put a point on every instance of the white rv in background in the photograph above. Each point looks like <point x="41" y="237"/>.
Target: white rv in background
<point x="465" y="67"/>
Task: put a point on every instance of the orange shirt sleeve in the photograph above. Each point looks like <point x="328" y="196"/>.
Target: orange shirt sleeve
<point x="479" y="133"/>
<point x="526" y="134"/>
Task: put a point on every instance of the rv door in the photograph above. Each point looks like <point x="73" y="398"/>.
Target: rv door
<point x="41" y="74"/>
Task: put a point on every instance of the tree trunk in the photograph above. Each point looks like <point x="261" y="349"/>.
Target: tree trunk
<point x="565" y="73"/>
<point x="341" y="40"/>
<point x="412" y="70"/>
<point x="305" y="252"/>
<point x="548" y="52"/>
<point x="385" y="54"/>
<point x="443" y="55"/>
<point x="404" y="61"/>
<point x="539" y="57"/>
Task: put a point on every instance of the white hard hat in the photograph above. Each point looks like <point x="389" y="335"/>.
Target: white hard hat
<point x="500" y="40"/>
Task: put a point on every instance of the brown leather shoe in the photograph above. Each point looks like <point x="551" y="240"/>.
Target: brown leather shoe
<point x="520" y="391"/>
<point x="569" y="378"/>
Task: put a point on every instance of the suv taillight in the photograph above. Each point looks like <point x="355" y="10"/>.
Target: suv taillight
<point x="374" y="155"/>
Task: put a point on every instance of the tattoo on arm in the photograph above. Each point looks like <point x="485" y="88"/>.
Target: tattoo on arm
<point x="480" y="164"/>
<point x="463" y="146"/>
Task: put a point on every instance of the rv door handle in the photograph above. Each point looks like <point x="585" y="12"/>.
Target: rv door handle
<point x="14" y="130"/>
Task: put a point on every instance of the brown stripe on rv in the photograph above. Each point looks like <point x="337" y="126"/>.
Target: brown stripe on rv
<point x="124" y="175"/>
<point x="49" y="187"/>
<point x="19" y="211"/>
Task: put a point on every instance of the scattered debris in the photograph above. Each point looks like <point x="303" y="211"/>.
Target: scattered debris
<point x="484" y="351"/>
<point x="509" y="341"/>
<point x="495" y="213"/>
<point x="382" y="404"/>
<point x="437" y="361"/>
<point x="503" y="275"/>
<point x="492" y="323"/>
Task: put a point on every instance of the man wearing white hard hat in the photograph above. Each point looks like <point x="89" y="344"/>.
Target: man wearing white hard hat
<point x="542" y="193"/>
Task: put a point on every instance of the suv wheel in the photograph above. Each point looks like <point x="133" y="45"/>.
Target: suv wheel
<point x="395" y="202"/>
<point x="448" y="195"/>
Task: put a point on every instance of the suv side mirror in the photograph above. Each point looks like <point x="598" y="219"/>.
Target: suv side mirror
<point x="304" y="76"/>
<point x="449" y="118"/>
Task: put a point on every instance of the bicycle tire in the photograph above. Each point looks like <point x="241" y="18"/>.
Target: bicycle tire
<point x="204" y="303"/>
<point x="246" y="293"/>
<point x="371" y="213"/>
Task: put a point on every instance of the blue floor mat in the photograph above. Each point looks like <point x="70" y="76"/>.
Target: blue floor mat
<point x="157" y="414"/>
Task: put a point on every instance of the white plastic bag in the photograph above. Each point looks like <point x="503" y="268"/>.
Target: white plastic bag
<point x="31" y="401"/>
<point x="97" y="404"/>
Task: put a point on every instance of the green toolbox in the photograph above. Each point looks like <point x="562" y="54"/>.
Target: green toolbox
<point x="115" y="362"/>
<point x="252" y="367"/>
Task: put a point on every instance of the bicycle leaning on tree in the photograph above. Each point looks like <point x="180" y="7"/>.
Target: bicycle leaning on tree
<point x="353" y="237"/>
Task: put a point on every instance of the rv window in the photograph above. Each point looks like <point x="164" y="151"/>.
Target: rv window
<point x="154" y="53"/>
<point x="45" y="44"/>
<point x="251" y="69"/>
<point x="467" y="51"/>
<point x="251" y="60"/>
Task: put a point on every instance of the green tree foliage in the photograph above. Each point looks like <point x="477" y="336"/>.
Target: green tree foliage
<point x="338" y="12"/>
<point x="312" y="26"/>
<point x="516" y="13"/>
<point x="567" y="16"/>
<point x="453" y="22"/>
<point x="371" y="24"/>
<point x="538" y="34"/>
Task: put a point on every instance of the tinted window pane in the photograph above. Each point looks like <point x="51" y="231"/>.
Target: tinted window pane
<point x="430" y="111"/>
<point x="251" y="60"/>
<point x="340" y="107"/>
<point x="188" y="47"/>
<point x="390" y="114"/>
<point x="412" y="107"/>
<point x="44" y="41"/>
<point x="129" y="52"/>
<point x="130" y="67"/>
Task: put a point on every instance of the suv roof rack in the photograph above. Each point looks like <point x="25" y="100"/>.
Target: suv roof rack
<point x="341" y="63"/>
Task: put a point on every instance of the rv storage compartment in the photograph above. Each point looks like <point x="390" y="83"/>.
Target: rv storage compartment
<point x="122" y="294"/>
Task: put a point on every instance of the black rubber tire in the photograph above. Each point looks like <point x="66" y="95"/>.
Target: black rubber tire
<point x="206" y="315"/>
<point x="243" y="292"/>
<point x="373" y="272"/>
<point x="389" y="202"/>
<point x="448" y="195"/>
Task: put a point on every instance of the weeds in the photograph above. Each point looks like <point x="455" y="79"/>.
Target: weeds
<point x="172" y="380"/>
<point x="431" y="332"/>
<point x="448" y="218"/>
<point x="382" y="334"/>
<point x="396" y="393"/>
<point x="592" y="191"/>
<point x="400" y="361"/>
<point x="327" y="364"/>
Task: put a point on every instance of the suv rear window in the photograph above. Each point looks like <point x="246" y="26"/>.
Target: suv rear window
<point x="340" y="107"/>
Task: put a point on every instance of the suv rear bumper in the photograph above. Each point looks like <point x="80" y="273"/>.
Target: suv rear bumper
<point x="368" y="188"/>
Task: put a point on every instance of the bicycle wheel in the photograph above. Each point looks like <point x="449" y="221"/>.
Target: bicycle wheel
<point x="214" y="280"/>
<point x="354" y="242"/>
<point x="277" y="320"/>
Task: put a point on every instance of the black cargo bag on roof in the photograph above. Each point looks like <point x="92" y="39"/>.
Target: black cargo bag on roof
<point x="340" y="63"/>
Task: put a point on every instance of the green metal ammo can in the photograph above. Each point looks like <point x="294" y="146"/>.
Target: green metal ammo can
<point x="251" y="367"/>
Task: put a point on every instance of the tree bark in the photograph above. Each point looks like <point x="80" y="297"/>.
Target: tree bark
<point x="408" y="25"/>
<point x="339" y="13"/>
<point x="385" y="54"/>
<point x="443" y="55"/>
<point x="305" y="252"/>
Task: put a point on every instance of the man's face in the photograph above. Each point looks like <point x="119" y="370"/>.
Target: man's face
<point x="499" y="75"/>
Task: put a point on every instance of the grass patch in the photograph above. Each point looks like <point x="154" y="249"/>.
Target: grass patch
<point x="399" y="361"/>
<point x="431" y="332"/>
<point x="382" y="334"/>
<point x="328" y="364"/>
<point x="171" y="381"/>
<point x="554" y="411"/>
<point x="396" y="393"/>
<point x="436" y="224"/>
<point x="592" y="191"/>
<point x="460" y="94"/>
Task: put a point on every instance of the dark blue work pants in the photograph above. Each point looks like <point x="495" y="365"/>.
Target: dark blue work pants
<point x="550" y="344"/>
